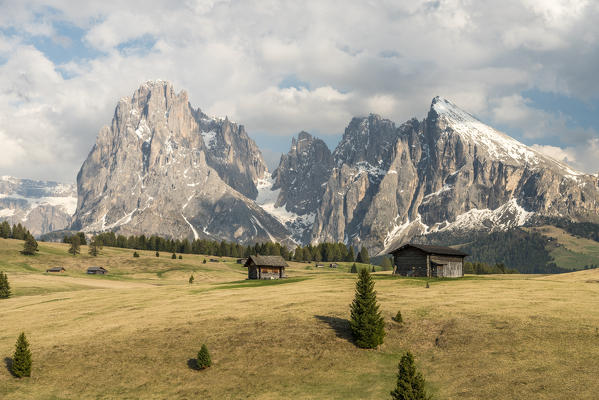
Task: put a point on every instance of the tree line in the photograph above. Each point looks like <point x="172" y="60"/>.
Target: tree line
<point x="480" y="268"/>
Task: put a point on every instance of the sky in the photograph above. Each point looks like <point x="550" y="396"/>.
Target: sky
<point x="526" y="67"/>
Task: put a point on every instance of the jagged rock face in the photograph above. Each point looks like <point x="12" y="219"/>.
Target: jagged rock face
<point x="158" y="170"/>
<point x="450" y="169"/>
<point x="39" y="206"/>
<point x="302" y="173"/>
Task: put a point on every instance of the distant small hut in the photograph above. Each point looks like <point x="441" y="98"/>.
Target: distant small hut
<point x="97" y="271"/>
<point x="214" y="260"/>
<point x="333" y="265"/>
<point x="428" y="261"/>
<point x="56" y="269"/>
<point x="266" y="267"/>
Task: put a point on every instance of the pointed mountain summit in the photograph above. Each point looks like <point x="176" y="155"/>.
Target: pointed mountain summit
<point x="163" y="168"/>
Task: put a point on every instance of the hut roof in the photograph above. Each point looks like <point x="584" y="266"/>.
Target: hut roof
<point x="96" y="269"/>
<point x="55" y="269"/>
<point x="446" y="251"/>
<point x="267" y="261"/>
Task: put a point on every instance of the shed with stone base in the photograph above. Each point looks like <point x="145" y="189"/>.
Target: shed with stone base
<point x="428" y="261"/>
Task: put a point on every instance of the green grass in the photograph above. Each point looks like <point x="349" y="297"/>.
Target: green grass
<point x="569" y="251"/>
<point x="131" y="333"/>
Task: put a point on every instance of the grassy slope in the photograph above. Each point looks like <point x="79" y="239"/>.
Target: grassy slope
<point x="572" y="252"/>
<point x="131" y="334"/>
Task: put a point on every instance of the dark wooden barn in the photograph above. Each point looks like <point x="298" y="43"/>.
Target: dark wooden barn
<point x="97" y="271"/>
<point x="428" y="261"/>
<point x="265" y="267"/>
<point x="56" y="269"/>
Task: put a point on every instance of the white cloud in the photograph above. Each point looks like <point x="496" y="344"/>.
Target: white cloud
<point x="584" y="157"/>
<point x="356" y="57"/>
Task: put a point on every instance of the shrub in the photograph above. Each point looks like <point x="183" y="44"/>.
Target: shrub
<point x="410" y="383"/>
<point x="157" y="254"/>
<point x="135" y="254"/>
<point x="204" y="261"/>
<point x="373" y="270"/>
<point x="21" y="360"/>
<point x="367" y="323"/>
<point x="354" y="269"/>
<point x="204" y="360"/>
<point x="4" y="286"/>
<point x="398" y="318"/>
<point x="180" y="257"/>
<point x="191" y="279"/>
<point x="174" y="256"/>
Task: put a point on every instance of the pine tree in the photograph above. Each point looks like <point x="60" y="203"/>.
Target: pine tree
<point x="5" y="230"/>
<point x="363" y="256"/>
<point x="398" y="318"/>
<point x="95" y="246"/>
<point x="354" y="269"/>
<point x="410" y="383"/>
<point x="4" y="286"/>
<point x="367" y="323"/>
<point x="203" y="360"/>
<point x="30" y="245"/>
<point x="180" y="257"/>
<point x="135" y="254"/>
<point x="191" y="279"/>
<point x="386" y="264"/>
<point x="204" y="261"/>
<point x="75" y="245"/>
<point x="174" y="256"/>
<point x="21" y="360"/>
<point x="157" y="254"/>
<point x="373" y="270"/>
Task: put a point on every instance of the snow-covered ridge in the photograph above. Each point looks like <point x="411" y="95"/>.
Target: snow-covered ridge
<point x="499" y="145"/>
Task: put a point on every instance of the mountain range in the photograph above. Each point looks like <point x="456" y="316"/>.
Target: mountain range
<point x="164" y="167"/>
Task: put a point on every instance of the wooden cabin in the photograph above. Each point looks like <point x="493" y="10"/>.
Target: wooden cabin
<point x="428" y="261"/>
<point x="56" y="269"/>
<point x="266" y="267"/>
<point x="97" y="271"/>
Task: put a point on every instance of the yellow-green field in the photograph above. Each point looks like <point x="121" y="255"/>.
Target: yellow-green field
<point x="132" y="333"/>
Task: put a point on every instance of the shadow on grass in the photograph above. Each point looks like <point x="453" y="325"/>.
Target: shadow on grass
<point x="192" y="363"/>
<point x="339" y="325"/>
<point x="8" y="364"/>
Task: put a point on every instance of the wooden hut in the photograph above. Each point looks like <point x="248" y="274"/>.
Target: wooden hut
<point x="97" y="271"/>
<point x="428" y="261"/>
<point x="265" y="267"/>
<point x="56" y="269"/>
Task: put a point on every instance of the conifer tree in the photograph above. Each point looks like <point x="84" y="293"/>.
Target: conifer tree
<point x="367" y="323"/>
<point x="350" y="254"/>
<point x="21" y="360"/>
<point x="354" y="269"/>
<point x="5" y="230"/>
<point x="373" y="270"/>
<point x="204" y="261"/>
<point x="135" y="254"/>
<point x="95" y="245"/>
<point x="30" y="245"/>
<point x="75" y="247"/>
<point x="363" y="256"/>
<point x="398" y="318"/>
<point x="410" y="383"/>
<point x="191" y="279"/>
<point x="204" y="360"/>
<point x="174" y="256"/>
<point x="180" y="257"/>
<point x="157" y="254"/>
<point x="4" y="286"/>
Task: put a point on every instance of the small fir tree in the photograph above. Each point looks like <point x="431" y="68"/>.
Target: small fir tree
<point x="157" y="254"/>
<point x="191" y="279"/>
<point x="30" y="245"/>
<point x="386" y="264"/>
<point x="75" y="247"/>
<point x="363" y="256"/>
<point x="180" y="257"/>
<point x="410" y="383"/>
<point x="174" y="256"/>
<point x="354" y="269"/>
<point x="204" y="360"/>
<point x="21" y="360"/>
<point x="4" y="286"/>
<point x="135" y="254"/>
<point x="373" y="270"/>
<point x="398" y="318"/>
<point x="204" y="261"/>
<point x="367" y="323"/>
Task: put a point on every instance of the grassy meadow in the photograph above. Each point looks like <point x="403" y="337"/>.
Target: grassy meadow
<point x="131" y="334"/>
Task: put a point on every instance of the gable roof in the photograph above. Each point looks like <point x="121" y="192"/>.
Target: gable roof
<point x="446" y="251"/>
<point x="267" y="261"/>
